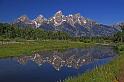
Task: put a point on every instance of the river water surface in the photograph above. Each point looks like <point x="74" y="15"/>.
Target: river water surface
<point x="53" y="66"/>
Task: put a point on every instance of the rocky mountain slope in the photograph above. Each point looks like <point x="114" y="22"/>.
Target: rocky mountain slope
<point x="76" y="25"/>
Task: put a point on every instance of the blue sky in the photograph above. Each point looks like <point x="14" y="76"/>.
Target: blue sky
<point x="103" y="11"/>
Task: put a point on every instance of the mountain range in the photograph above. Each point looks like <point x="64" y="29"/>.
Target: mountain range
<point x="75" y="25"/>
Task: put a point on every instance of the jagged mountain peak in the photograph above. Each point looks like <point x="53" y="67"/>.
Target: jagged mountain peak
<point x="74" y="24"/>
<point x="71" y="19"/>
<point x="40" y="19"/>
<point x="59" y="12"/>
<point x="41" y="16"/>
<point x="23" y="18"/>
<point x="58" y="18"/>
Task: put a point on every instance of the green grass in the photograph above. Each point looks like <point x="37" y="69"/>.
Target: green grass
<point x="106" y="73"/>
<point x="29" y="47"/>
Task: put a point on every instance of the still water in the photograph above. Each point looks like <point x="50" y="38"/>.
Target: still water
<point x="53" y="66"/>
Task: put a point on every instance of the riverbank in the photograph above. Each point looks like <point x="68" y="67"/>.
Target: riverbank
<point x="112" y="72"/>
<point x="8" y="49"/>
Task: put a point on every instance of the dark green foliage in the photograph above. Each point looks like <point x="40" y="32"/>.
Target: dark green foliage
<point x="12" y="32"/>
<point x="119" y="37"/>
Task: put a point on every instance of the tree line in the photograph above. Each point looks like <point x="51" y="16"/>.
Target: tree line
<point x="8" y="31"/>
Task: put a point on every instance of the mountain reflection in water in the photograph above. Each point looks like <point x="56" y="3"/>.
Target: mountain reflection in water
<point x="53" y="66"/>
<point x="71" y="58"/>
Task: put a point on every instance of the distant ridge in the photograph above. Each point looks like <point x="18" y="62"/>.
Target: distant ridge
<point x="76" y="25"/>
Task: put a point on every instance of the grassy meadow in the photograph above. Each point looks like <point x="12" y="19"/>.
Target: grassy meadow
<point x="28" y="47"/>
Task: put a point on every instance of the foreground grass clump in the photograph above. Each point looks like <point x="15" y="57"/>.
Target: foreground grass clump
<point x="108" y="73"/>
<point x="28" y="47"/>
